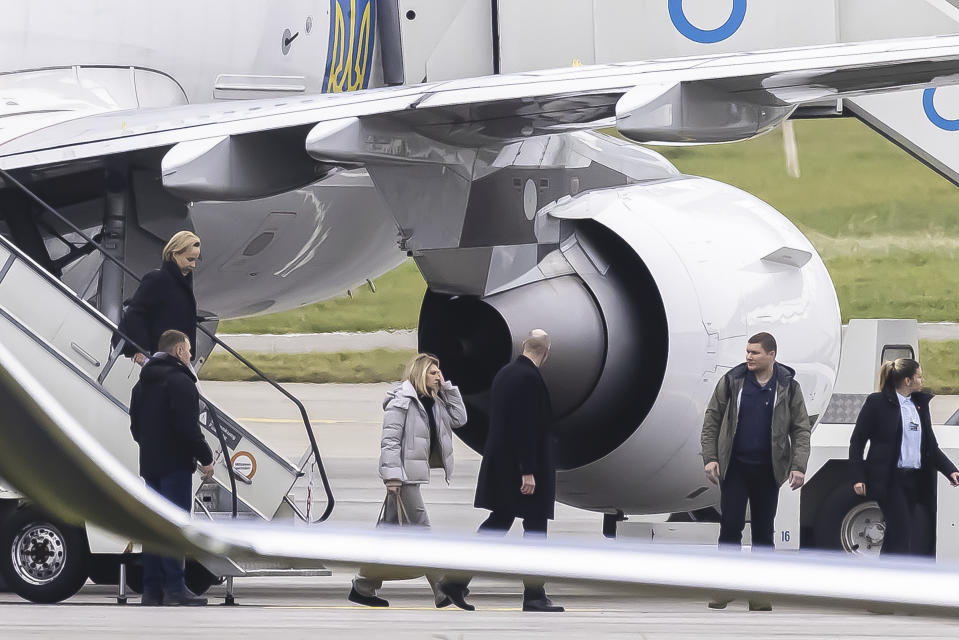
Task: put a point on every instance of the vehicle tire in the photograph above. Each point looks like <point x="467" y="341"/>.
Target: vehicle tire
<point x="849" y="522"/>
<point x="42" y="559"/>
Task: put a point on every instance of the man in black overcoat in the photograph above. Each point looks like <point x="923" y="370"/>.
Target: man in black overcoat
<point x="517" y="478"/>
<point x="164" y="421"/>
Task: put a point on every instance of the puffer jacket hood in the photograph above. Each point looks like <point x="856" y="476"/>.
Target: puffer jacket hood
<point x="784" y="373"/>
<point x="401" y="393"/>
<point x="405" y="445"/>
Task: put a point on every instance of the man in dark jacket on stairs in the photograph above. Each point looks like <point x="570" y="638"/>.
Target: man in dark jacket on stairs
<point x="164" y="420"/>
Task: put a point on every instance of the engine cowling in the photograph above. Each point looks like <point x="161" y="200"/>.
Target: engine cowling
<point x="648" y="302"/>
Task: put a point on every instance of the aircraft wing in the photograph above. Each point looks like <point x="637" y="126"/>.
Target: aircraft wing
<point x="704" y="99"/>
<point x="51" y="459"/>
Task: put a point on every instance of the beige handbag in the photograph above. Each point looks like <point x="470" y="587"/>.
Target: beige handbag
<point x="402" y="518"/>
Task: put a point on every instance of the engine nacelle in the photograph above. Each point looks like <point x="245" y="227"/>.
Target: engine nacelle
<point x="648" y="300"/>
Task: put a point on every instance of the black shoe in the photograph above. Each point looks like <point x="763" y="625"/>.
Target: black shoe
<point x="456" y="594"/>
<point x="718" y="603"/>
<point x="152" y="598"/>
<point x="543" y="604"/>
<point x="182" y="598"/>
<point x="366" y="601"/>
<point x="445" y="602"/>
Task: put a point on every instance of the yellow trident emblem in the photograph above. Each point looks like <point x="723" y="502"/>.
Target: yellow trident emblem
<point x="350" y="55"/>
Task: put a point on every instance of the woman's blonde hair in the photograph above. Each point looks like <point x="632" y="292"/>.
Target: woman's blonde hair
<point x="893" y="372"/>
<point x="180" y="242"/>
<point x="416" y="372"/>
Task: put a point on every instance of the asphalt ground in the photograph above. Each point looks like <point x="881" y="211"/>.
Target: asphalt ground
<point x="316" y="608"/>
<point x="347" y="423"/>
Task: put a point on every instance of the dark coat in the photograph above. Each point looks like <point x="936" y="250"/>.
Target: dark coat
<point x="164" y="300"/>
<point x="880" y="423"/>
<point x="519" y="442"/>
<point x="164" y="418"/>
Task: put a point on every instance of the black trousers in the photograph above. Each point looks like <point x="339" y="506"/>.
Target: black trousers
<point x="755" y="484"/>
<point x="161" y="572"/>
<point x="904" y="515"/>
<point x="500" y="523"/>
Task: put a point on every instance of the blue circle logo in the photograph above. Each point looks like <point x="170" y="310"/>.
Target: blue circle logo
<point x="707" y="36"/>
<point x="930" y="108"/>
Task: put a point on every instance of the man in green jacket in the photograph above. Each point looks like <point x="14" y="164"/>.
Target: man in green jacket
<point x="755" y="437"/>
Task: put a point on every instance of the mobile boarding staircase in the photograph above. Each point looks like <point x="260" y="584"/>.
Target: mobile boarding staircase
<point x="66" y="343"/>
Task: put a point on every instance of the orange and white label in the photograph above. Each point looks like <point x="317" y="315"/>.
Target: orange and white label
<point x="244" y="464"/>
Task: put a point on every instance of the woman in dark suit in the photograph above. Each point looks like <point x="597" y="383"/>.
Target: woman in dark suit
<point x="900" y="470"/>
<point x="164" y="300"/>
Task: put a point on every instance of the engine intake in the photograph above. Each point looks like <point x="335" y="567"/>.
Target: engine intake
<point x="609" y="337"/>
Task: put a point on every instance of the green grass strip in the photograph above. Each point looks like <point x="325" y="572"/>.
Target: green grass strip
<point x="897" y="284"/>
<point x="395" y="305"/>
<point x="378" y="365"/>
<point x="940" y="366"/>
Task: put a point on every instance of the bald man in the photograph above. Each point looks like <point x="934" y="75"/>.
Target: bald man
<point x="517" y="478"/>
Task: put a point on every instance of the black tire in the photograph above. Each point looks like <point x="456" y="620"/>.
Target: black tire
<point x="42" y="559"/>
<point x="838" y="513"/>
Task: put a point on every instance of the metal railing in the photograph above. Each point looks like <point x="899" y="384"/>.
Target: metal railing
<point x="261" y="375"/>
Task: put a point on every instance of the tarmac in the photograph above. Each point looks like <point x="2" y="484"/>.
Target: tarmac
<point x="346" y="419"/>
<point x="316" y="608"/>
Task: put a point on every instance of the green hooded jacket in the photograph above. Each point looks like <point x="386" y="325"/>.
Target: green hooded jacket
<point x="790" y="427"/>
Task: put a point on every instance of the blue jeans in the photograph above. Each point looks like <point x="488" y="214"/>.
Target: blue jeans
<point x="159" y="572"/>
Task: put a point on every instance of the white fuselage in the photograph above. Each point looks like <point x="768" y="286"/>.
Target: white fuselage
<point x="202" y="45"/>
<point x="76" y="58"/>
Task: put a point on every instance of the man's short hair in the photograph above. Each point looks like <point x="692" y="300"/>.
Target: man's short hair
<point x="536" y="343"/>
<point x="169" y="340"/>
<point x="765" y="340"/>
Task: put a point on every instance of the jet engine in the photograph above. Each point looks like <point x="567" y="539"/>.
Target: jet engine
<point x="648" y="297"/>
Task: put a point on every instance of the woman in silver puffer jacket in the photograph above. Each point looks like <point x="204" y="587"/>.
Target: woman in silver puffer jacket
<point x="418" y="421"/>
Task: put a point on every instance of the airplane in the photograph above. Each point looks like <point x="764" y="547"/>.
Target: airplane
<point x="517" y="211"/>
